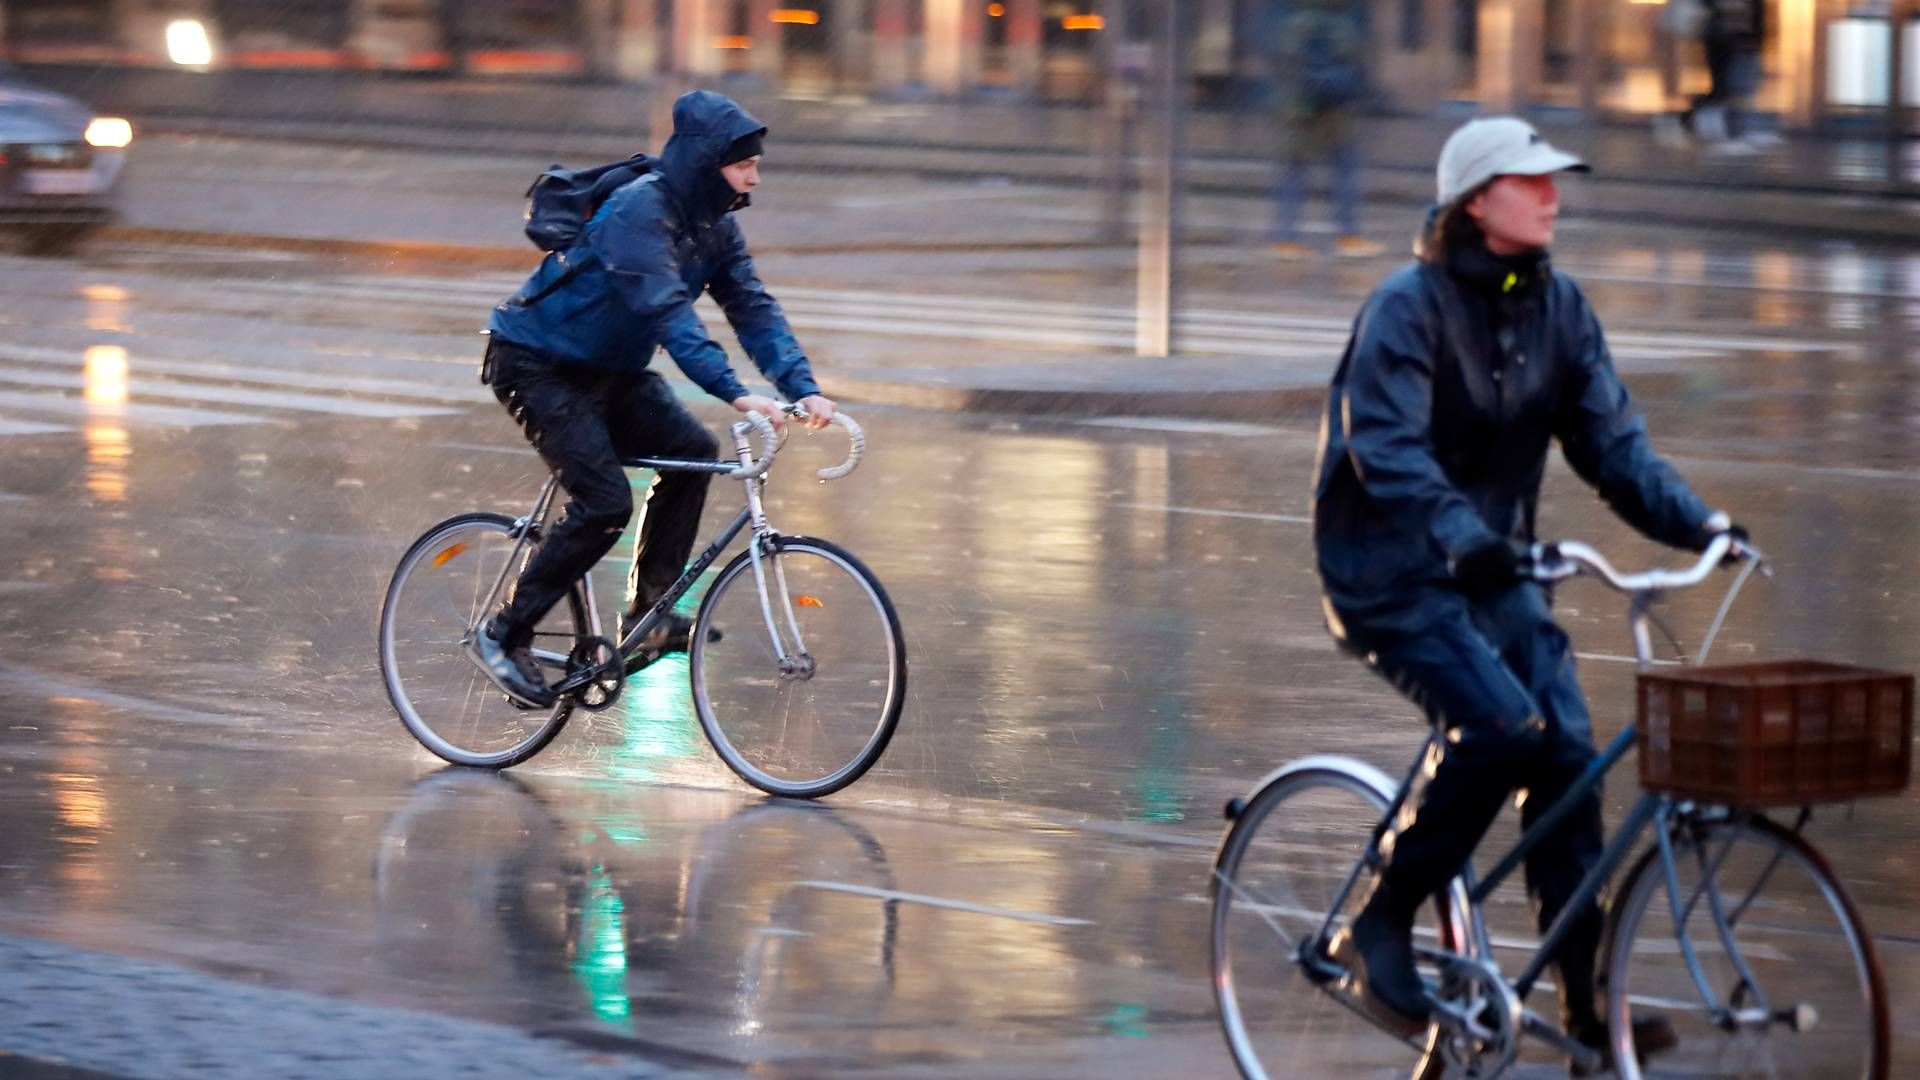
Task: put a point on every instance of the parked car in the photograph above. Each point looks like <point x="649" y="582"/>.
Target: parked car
<point x="59" y="165"/>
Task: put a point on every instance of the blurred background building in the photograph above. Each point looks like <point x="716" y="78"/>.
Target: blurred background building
<point x="1827" y="63"/>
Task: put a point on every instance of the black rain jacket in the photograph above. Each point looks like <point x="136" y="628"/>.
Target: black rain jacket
<point x="1456" y="379"/>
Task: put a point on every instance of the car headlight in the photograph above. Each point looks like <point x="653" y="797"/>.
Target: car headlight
<point x="109" y="131"/>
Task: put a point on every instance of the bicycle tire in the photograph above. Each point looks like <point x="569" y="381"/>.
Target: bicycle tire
<point x="1647" y="880"/>
<point x="746" y="661"/>
<point x="1315" y="1022"/>
<point x="438" y="736"/>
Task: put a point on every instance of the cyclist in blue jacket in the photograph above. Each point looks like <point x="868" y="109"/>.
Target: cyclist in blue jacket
<point x="1462" y="369"/>
<point x="568" y="356"/>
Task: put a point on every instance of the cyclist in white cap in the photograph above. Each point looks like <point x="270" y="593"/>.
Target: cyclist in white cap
<point x="1463" y="367"/>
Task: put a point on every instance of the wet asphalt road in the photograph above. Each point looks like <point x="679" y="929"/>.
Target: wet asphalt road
<point x="216" y="827"/>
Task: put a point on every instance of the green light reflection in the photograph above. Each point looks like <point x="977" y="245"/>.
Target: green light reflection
<point x="656" y="710"/>
<point x="601" y="964"/>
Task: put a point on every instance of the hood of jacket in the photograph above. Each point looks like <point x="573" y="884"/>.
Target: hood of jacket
<point x="704" y="125"/>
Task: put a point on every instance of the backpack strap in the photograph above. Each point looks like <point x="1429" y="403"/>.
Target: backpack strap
<point x="572" y="270"/>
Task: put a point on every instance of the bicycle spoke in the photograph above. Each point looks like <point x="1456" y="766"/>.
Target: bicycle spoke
<point x="1264" y="909"/>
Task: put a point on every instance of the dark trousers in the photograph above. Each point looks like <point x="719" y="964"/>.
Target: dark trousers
<point x="1496" y="676"/>
<point x="583" y="423"/>
<point x="1290" y="193"/>
<point x="1733" y="74"/>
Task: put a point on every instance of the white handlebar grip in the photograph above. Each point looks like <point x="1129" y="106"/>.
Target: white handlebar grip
<point x="769" y="444"/>
<point x="857" y="440"/>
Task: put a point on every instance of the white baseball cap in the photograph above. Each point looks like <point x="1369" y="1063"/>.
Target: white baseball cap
<point x="1491" y="146"/>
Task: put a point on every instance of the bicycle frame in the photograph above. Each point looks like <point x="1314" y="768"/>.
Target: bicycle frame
<point x="526" y="530"/>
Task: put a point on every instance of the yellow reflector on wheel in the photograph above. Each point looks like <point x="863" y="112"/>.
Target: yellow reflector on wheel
<point x="449" y="554"/>
<point x="808" y="601"/>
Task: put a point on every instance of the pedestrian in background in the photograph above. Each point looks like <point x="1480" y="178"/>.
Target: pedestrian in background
<point x="1733" y="35"/>
<point x="1318" y="78"/>
<point x="1682" y="23"/>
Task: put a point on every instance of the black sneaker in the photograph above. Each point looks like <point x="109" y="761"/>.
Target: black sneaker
<point x="1651" y="1035"/>
<point x="512" y="670"/>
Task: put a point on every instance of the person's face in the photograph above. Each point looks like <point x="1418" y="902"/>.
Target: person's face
<point x="1517" y="213"/>
<point x="743" y="175"/>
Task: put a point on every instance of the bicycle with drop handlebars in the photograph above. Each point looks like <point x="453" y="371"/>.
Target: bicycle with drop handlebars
<point x="799" y="698"/>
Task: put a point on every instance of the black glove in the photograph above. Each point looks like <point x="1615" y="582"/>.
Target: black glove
<point x="1716" y="525"/>
<point x="1739" y="549"/>
<point x="1492" y="565"/>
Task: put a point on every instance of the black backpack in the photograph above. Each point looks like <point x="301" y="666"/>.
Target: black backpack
<point x="561" y="201"/>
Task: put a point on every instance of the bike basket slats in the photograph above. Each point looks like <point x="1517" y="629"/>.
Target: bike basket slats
<point x="1784" y="733"/>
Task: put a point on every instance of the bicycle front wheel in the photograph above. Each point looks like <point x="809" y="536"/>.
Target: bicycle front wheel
<point x="804" y="690"/>
<point x="439" y="592"/>
<point x="1286" y="880"/>
<point x="1796" y="988"/>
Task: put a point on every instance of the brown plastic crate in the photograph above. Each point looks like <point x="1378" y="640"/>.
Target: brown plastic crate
<point x="1784" y="733"/>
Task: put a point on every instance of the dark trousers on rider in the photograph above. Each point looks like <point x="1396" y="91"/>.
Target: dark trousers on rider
<point x="1495" y="675"/>
<point x="583" y="423"/>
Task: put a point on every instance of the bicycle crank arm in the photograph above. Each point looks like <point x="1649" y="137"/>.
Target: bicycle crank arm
<point x="1585" y="1059"/>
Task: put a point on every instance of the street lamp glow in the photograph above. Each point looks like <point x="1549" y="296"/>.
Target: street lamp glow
<point x="110" y="132"/>
<point x="188" y="44"/>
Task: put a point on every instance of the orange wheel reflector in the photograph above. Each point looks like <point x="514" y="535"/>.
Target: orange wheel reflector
<point x="808" y="601"/>
<point x="449" y="554"/>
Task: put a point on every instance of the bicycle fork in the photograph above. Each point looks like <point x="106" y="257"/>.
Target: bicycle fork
<point x="1747" y="1005"/>
<point x="795" y="663"/>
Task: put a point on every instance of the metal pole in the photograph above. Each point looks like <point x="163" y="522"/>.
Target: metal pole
<point x="1897" y="15"/>
<point x="1160" y="190"/>
<point x="1118" y="88"/>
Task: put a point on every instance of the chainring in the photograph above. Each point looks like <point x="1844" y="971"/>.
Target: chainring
<point x="595" y="673"/>
<point x="1478" y="1019"/>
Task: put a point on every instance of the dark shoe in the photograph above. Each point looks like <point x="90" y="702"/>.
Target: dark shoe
<point x="670" y="635"/>
<point x="512" y="670"/>
<point x="1377" y="951"/>
<point x="1651" y="1035"/>
<point x="673" y="633"/>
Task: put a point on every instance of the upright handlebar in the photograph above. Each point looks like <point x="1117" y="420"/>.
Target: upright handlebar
<point x="1557" y="562"/>
<point x="771" y="442"/>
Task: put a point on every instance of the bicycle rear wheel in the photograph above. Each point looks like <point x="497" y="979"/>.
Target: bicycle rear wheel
<point x="804" y="690"/>
<point x="438" y="593"/>
<point x="1811" y="1001"/>
<point x="1284" y="863"/>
